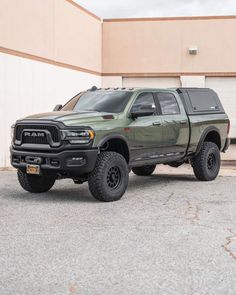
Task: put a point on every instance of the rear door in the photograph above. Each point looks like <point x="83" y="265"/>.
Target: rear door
<point x="174" y="124"/>
<point x="147" y="130"/>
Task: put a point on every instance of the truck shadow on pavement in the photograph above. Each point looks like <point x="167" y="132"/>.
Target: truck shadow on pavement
<point x="74" y="193"/>
<point x="70" y="192"/>
<point x="154" y="180"/>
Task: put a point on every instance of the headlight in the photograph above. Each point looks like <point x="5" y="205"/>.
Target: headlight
<point x="78" y="136"/>
<point x="12" y="131"/>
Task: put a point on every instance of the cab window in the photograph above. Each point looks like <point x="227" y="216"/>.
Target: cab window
<point x="144" y="101"/>
<point x="168" y="104"/>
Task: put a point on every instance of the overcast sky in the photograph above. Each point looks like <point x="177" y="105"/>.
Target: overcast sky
<point x="158" y="8"/>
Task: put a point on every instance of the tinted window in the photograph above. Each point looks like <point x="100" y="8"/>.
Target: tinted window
<point x="168" y="103"/>
<point x="100" y="101"/>
<point x="203" y="101"/>
<point x="144" y="101"/>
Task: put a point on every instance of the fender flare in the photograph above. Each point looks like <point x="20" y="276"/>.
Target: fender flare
<point x="204" y="135"/>
<point x="113" y="136"/>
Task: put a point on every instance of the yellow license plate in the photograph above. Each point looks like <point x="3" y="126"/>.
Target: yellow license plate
<point x="32" y="169"/>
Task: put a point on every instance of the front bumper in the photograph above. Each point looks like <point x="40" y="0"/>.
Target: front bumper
<point x="70" y="163"/>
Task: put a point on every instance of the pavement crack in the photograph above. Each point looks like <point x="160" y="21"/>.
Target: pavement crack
<point x="168" y="199"/>
<point x="229" y="240"/>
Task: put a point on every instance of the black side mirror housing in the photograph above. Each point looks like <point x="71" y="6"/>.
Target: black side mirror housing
<point x="57" y="108"/>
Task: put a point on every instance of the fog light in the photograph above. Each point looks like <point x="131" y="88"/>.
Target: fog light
<point x="76" y="161"/>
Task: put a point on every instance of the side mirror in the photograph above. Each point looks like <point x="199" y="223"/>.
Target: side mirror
<point x="57" y="108"/>
<point x="141" y="113"/>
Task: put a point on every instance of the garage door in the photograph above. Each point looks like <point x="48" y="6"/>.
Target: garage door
<point x="226" y="89"/>
<point x="151" y="82"/>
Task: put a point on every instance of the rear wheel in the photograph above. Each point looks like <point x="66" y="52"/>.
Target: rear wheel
<point x="144" y="171"/>
<point x="206" y="164"/>
<point x="35" y="183"/>
<point x="109" y="179"/>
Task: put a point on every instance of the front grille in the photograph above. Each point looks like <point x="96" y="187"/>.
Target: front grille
<point x="20" y="129"/>
<point x="35" y="140"/>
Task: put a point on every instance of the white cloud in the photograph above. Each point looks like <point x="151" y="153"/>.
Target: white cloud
<point x="158" y="8"/>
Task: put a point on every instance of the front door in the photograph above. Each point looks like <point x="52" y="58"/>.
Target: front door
<point x="146" y="130"/>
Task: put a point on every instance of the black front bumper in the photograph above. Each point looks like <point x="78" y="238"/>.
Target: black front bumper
<point x="68" y="163"/>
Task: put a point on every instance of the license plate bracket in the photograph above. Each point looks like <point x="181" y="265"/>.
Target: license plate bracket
<point x="33" y="169"/>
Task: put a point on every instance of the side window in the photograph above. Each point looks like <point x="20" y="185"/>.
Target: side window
<point x="144" y="101"/>
<point x="168" y="104"/>
<point x="203" y="101"/>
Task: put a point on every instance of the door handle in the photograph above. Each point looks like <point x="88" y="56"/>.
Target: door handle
<point x="156" y="123"/>
<point x="183" y="122"/>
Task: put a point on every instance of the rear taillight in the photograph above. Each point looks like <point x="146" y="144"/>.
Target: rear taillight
<point x="228" y="129"/>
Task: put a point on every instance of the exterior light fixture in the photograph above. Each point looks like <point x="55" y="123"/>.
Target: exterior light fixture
<point x="193" y="50"/>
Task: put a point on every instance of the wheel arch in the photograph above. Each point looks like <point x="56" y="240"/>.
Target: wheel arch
<point x="116" y="143"/>
<point x="211" y="134"/>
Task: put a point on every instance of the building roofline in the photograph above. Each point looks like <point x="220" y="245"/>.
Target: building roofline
<point x="72" y="2"/>
<point x="179" y="18"/>
<point x="150" y="19"/>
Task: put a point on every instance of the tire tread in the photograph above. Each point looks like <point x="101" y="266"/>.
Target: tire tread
<point x="95" y="179"/>
<point x="198" y="163"/>
<point x="143" y="171"/>
<point x="33" y="184"/>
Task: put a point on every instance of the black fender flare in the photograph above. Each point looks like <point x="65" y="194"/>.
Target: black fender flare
<point x="113" y="136"/>
<point x="204" y="135"/>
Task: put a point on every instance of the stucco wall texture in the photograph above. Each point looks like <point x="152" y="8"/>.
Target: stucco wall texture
<point x="161" y="46"/>
<point x="62" y="31"/>
<point x="52" y="29"/>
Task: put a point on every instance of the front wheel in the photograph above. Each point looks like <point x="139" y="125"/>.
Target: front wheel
<point x="144" y="170"/>
<point x="206" y="164"/>
<point x="35" y="183"/>
<point x="109" y="179"/>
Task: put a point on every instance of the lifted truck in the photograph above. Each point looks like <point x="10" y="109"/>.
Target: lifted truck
<point x="101" y="134"/>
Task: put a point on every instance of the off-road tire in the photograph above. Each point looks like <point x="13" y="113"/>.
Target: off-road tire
<point x="110" y="177"/>
<point x="206" y="164"/>
<point x="35" y="183"/>
<point x="144" y="171"/>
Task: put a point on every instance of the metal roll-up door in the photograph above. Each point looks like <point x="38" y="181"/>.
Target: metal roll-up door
<point x="226" y="89"/>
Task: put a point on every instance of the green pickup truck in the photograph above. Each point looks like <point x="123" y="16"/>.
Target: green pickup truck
<point x="100" y="135"/>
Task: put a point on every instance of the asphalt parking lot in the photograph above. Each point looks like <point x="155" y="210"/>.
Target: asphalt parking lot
<point x="169" y="234"/>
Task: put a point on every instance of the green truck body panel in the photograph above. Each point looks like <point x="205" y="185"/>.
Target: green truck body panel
<point x="156" y="138"/>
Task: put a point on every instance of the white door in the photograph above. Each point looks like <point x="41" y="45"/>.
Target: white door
<point x="226" y="89"/>
<point x="160" y="82"/>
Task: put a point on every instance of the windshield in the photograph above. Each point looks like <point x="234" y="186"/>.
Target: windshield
<point x="99" y="101"/>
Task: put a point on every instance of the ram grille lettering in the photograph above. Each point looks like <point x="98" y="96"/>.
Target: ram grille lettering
<point x="34" y="134"/>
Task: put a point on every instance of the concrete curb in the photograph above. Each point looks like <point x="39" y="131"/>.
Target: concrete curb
<point x="228" y="163"/>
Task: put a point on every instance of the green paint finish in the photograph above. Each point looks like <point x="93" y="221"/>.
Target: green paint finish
<point x="153" y="138"/>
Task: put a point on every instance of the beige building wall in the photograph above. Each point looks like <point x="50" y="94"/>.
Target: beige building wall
<point x="52" y="49"/>
<point x="113" y="81"/>
<point x="58" y="30"/>
<point x="49" y="51"/>
<point x="160" y="46"/>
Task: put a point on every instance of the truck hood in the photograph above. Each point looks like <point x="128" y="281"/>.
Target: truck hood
<point x="70" y="118"/>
